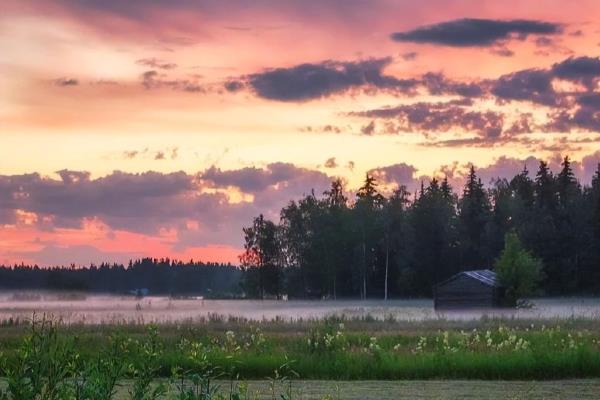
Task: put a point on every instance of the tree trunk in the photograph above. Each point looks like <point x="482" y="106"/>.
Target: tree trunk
<point x="334" y="287"/>
<point x="387" y="263"/>
<point x="364" y="251"/>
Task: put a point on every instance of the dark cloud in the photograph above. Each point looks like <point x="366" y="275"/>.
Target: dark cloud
<point x="368" y="129"/>
<point x="331" y="163"/>
<point x="149" y="79"/>
<point x="439" y="84"/>
<point x="156" y="63"/>
<point x="63" y="82"/>
<point x="584" y="70"/>
<point x="468" y="32"/>
<point x="150" y="202"/>
<point x="252" y="179"/>
<point x="160" y="155"/>
<point x="154" y="80"/>
<point x="502" y="52"/>
<point x="233" y="86"/>
<point x="544" y="41"/>
<point x="584" y="117"/>
<point x="313" y="81"/>
<point x="591" y="100"/>
<point x="440" y="117"/>
<point x="134" y="201"/>
<point x="323" y="129"/>
<point x="409" y="56"/>
<point x="397" y="174"/>
<point x="534" y="85"/>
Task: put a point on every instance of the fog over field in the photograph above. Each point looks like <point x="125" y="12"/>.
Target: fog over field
<point x="77" y="308"/>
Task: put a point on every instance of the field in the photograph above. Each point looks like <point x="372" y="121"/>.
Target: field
<point x="365" y="352"/>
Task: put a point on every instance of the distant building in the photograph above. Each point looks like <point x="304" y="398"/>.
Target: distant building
<point x="469" y="289"/>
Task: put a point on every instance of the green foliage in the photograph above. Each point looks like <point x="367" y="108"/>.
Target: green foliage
<point x="389" y="243"/>
<point x="146" y="366"/>
<point x="197" y="367"/>
<point x="41" y="365"/>
<point x="97" y="378"/>
<point x="518" y="271"/>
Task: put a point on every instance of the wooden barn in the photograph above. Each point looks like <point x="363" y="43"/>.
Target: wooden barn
<point x="469" y="289"/>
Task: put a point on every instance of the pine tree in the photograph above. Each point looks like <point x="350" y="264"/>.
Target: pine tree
<point x="567" y="184"/>
<point x="474" y="215"/>
<point x="545" y="191"/>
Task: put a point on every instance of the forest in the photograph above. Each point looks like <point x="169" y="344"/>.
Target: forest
<point x="377" y="245"/>
<point x="373" y="246"/>
<point x="159" y="276"/>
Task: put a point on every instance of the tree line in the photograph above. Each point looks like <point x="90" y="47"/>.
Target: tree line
<point x="401" y="245"/>
<point x="159" y="276"/>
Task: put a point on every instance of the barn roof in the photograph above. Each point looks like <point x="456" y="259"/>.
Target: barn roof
<point x="485" y="276"/>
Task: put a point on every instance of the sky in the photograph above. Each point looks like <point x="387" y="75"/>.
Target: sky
<point x="161" y="127"/>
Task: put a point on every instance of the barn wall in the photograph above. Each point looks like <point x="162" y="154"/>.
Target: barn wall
<point x="464" y="292"/>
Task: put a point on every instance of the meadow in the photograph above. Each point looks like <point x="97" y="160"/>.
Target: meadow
<point x="226" y="356"/>
<point x="121" y="347"/>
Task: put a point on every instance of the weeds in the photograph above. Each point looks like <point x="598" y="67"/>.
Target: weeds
<point x="53" y="362"/>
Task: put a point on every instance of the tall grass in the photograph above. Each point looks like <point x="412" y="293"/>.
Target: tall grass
<point x="50" y="361"/>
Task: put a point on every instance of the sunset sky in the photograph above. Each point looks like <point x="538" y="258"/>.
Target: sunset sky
<point x="161" y="127"/>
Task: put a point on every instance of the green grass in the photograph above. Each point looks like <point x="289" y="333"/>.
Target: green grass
<point x="358" y="350"/>
<point x="45" y="360"/>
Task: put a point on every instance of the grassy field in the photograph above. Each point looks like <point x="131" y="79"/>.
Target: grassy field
<point x="349" y="349"/>
<point x="329" y="353"/>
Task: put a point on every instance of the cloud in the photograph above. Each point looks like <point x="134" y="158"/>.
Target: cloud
<point x="584" y="70"/>
<point x="130" y="154"/>
<point x="396" y="174"/>
<point x="65" y="82"/>
<point x="590" y="165"/>
<point x="409" y="56"/>
<point x="156" y="63"/>
<point x="313" y="81"/>
<point x="439" y="117"/>
<point x="534" y="85"/>
<point x="544" y="41"/>
<point x="185" y="22"/>
<point x="468" y="32"/>
<point x="438" y="84"/>
<point x="306" y="82"/>
<point x="253" y="180"/>
<point x="233" y="86"/>
<point x="502" y="51"/>
<point x="368" y="129"/>
<point x="156" y="204"/>
<point x="154" y="80"/>
<point x="330" y="163"/>
<point x="160" y="155"/>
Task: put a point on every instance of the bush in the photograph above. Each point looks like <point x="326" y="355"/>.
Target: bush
<point x="518" y="270"/>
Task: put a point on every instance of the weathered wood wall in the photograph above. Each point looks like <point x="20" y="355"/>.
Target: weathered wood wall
<point x="464" y="292"/>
